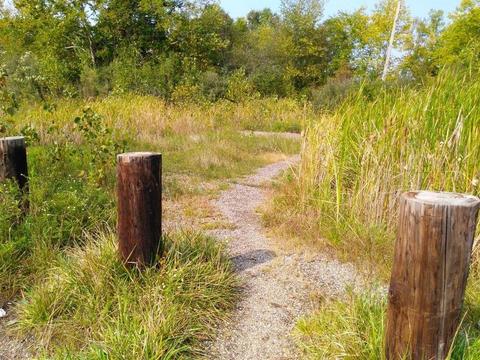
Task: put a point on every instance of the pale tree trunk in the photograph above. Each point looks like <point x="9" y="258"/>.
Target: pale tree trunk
<point x="392" y="39"/>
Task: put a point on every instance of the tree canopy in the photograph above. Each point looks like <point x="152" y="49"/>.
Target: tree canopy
<point x="167" y="47"/>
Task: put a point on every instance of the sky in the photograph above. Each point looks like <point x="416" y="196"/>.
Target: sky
<point x="419" y="8"/>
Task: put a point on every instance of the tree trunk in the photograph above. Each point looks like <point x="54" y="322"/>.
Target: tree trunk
<point x="392" y="39"/>
<point x="430" y="269"/>
<point x="139" y="191"/>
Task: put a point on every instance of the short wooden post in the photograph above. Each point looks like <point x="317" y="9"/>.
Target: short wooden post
<point x="430" y="270"/>
<point x="13" y="160"/>
<point x="139" y="191"/>
<point x="13" y="165"/>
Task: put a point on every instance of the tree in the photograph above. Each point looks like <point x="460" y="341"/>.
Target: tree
<point x="304" y="42"/>
<point x="139" y="25"/>
<point x="371" y="51"/>
<point x="420" y="59"/>
<point x="460" y="41"/>
<point x="204" y="39"/>
<point x="53" y="40"/>
<point x="257" y="18"/>
<point x="343" y="34"/>
<point x="392" y="39"/>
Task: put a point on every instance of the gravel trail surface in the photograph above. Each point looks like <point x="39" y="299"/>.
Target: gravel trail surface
<point x="278" y="288"/>
<point x="10" y="347"/>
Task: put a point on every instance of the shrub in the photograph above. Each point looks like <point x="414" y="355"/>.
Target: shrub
<point x="239" y="87"/>
<point x="333" y="93"/>
<point x="213" y="85"/>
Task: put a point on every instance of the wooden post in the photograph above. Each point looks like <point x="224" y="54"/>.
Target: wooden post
<point x="13" y="160"/>
<point x="13" y="165"/>
<point x="139" y="191"/>
<point x="430" y="270"/>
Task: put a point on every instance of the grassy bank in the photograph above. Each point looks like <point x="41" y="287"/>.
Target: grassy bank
<point x="58" y="263"/>
<point x="355" y="164"/>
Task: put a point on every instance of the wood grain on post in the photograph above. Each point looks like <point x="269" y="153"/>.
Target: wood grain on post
<point x="430" y="270"/>
<point x="139" y="192"/>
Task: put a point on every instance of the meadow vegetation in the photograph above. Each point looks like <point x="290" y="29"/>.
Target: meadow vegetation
<point x="85" y="80"/>
<point x="58" y="263"/>
<point x="356" y="161"/>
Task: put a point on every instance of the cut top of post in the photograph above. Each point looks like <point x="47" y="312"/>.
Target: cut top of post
<point x="12" y="139"/>
<point x="443" y="198"/>
<point x="132" y="156"/>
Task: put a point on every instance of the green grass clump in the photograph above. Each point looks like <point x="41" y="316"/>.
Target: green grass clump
<point x="91" y="307"/>
<point x="350" y="329"/>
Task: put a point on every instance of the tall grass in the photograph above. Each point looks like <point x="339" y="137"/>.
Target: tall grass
<point x="148" y="119"/>
<point x="358" y="160"/>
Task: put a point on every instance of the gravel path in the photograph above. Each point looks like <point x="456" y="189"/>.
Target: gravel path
<point x="278" y="287"/>
<point x="12" y="348"/>
<point x="285" y="135"/>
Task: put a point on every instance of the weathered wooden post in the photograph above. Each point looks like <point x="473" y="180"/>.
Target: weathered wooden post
<point x="13" y="164"/>
<point x="139" y="191"/>
<point x="430" y="270"/>
<point x="13" y="160"/>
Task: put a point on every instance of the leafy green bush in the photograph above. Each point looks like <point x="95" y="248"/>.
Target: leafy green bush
<point x="271" y="80"/>
<point x="213" y="85"/>
<point x="239" y="87"/>
<point x="333" y="93"/>
<point x="71" y="185"/>
<point x="130" y="74"/>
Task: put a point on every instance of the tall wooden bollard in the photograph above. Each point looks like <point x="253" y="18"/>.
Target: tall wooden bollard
<point x="139" y="192"/>
<point x="430" y="270"/>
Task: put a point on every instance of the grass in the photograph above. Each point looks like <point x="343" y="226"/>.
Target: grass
<point x="58" y="263"/>
<point x="354" y="328"/>
<point x="356" y="161"/>
<point x="348" y="329"/>
<point x="91" y="307"/>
